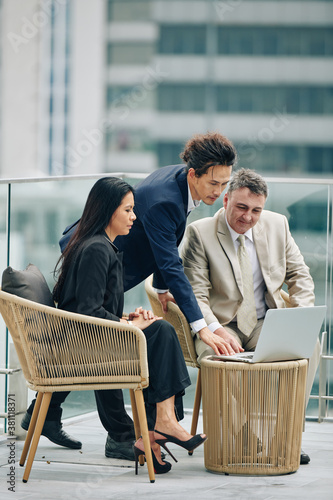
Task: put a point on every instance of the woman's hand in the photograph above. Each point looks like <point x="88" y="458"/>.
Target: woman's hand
<point x="142" y="318"/>
<point x="143" y="323"/>
<point x="146" y="314"/>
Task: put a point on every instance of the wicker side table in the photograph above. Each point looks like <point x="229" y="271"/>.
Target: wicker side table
<point x="253" y="416"/>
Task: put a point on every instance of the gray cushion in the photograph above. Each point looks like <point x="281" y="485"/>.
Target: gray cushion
<point x="29" y="284"/>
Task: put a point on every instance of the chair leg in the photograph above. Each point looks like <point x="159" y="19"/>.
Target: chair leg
<point x="31" y="429"/>
<point x="136" y="422"/>
<point x="135" y="415"/>
<point x="45" y="403"/>
<point x="196" y="407"/>
<point x="144" y="431"/>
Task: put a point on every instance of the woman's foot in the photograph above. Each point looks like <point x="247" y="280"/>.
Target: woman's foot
<point x="156" y="449"/>
<point x="173" y="429"/>
<point x="189" y="445"/>
<point x="179" y="436"/>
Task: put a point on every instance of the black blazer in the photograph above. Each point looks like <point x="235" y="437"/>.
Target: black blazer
<point x="94" y="282"/>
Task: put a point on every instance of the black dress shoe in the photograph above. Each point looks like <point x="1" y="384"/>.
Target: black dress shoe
<point x="119" y="449"/>
<point x="305" y="459"/>
<point x="54" y="432"/>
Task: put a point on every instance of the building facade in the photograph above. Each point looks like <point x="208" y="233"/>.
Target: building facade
<point x="120" y="85"/>
<point x="259" y="72"/>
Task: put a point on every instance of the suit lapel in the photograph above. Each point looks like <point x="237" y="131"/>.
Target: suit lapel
<point x="181" y="179"/>
<point x="224" y="237"/>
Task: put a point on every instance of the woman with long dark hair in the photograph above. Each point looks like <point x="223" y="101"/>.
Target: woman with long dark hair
<point x="90" y="281"/>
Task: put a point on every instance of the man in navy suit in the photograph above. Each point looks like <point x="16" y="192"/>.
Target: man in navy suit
<point x="162" y="203"/>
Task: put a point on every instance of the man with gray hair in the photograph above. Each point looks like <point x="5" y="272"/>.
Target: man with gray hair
<point x="237" y="263"/>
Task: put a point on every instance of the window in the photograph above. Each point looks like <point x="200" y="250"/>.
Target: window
<point x="246" y="99"/>
<point x="319" y="159"/>
<point x="316" y="45"/>
<point x="291" y="98"/>
<point x="122" y="98"/>
<point x="267" y="41"/>
<point x="268" y="99"/>
<point x="181" y="97"/>
<point x="285" y="159"/>
<point x="291" y="41"/>
<point x="182" y="39"/>
<point x="313" y="100"/>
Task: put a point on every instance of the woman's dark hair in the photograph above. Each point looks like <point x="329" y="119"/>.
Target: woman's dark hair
<point x="207" y="150"/>
<point x="103" y="200"/>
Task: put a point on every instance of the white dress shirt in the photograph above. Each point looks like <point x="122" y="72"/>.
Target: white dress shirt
<point x="258" y="280"/>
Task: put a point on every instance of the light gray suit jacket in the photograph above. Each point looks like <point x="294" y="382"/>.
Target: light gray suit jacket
<point x="211" y="265"/>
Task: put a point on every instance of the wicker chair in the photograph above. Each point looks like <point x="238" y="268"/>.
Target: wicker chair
<point x="180" y="324"/>
<point x="62" y="351"/>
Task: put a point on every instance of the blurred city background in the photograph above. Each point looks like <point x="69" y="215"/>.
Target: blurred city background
<point x="108" y="85"/>
<point x="118" y="86"/>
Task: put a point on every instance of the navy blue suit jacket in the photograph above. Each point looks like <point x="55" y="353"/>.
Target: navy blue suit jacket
<point x="161" y="202"/>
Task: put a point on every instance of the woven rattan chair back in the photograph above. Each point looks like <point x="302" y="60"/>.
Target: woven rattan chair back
<point x="62" y="351"/>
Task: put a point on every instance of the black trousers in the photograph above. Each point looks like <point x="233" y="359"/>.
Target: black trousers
<point x="168" y="376"/>
<point x="111" y="411"/>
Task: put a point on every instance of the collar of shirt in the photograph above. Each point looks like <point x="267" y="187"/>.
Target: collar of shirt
<point x="191" y="204"/>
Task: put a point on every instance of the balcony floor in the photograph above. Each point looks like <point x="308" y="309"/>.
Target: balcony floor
<point x="62" y="474"/>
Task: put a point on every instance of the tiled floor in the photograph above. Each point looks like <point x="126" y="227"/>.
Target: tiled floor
<point x="63" y="474"/>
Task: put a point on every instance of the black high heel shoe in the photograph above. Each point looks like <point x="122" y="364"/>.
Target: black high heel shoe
<point x="189" y="445"/>
<point x="159" y="468"/>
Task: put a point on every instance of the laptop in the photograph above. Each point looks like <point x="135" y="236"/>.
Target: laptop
<point x="286" y="334"/>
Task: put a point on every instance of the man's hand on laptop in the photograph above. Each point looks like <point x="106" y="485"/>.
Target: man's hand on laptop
<point x="227" y="337"/>
<point x="218" y="343"/>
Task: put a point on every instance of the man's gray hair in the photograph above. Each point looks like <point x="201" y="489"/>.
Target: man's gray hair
<point x="248" y="178"/>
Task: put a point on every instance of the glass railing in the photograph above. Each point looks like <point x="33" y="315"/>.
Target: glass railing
<point x="33" y="214"/>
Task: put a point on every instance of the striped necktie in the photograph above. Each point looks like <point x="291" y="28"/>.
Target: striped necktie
<point x="246" y="314"/>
